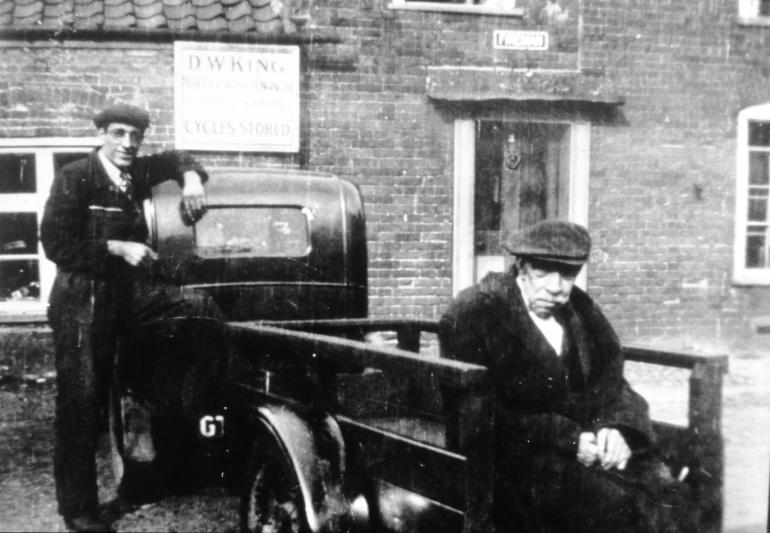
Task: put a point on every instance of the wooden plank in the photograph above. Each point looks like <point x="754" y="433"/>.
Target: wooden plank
<point x="364" y="324"/>
<point x="705" y="413"/>
<point x="408" y="331"/>
<point x="427" y="470"/>
<point x="643" y="354"/>
<point x="260" y="338"/>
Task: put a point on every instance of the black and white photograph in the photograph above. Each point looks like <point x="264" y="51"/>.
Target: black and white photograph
<point x="385" y="266"/>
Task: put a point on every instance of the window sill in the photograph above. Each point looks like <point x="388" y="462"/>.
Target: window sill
<point x="23" y="313"/>
<point x="468" y="9"/>
<point x="755" y="278"/>
<point x="753" y="21"/>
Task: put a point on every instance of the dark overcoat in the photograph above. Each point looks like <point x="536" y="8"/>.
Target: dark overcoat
<point x="545" y="401"/>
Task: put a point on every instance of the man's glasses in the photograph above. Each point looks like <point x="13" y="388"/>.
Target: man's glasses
<point x="119" y="134"/>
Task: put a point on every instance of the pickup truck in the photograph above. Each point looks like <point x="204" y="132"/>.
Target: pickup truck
<point x="335" y="421"/>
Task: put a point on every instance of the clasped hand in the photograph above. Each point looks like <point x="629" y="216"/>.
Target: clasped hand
<point x="607" y="448"/>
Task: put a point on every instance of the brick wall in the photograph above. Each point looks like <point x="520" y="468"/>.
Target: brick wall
<point x="663" y="185"/>
<point x="662" y="172"/>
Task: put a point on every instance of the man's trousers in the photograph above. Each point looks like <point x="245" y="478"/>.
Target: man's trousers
<point x="87" y="317"/>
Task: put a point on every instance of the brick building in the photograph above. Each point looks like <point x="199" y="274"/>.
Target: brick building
<point x="649" y="121"/>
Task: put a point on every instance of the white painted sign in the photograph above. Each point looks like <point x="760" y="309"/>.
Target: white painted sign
<point x="236" y="97"/>
<point x="521" y="40"/>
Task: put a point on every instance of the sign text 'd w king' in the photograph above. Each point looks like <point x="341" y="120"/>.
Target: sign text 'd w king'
<point x="236" y="97"/>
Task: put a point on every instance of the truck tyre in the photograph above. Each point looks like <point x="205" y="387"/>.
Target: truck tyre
<point x="271" y="501"/>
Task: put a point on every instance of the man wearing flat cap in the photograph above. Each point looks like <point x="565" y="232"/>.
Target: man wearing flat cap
<point x="573" y="442"/>
<point x="94" y="229"/>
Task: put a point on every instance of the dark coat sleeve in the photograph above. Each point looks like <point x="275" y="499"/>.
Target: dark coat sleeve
<point x="64" y="231"/>
<point x="609" y="401"/>
<point x="168" y="165"/>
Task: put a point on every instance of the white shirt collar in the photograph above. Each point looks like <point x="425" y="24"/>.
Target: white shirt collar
<point x="114" y="173"/>
<point x="550" y="328"/>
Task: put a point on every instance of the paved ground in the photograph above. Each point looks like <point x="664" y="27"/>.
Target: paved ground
<point x="27" y="493"/>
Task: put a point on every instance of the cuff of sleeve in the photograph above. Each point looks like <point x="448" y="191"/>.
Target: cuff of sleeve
<point x="187" y="164"/>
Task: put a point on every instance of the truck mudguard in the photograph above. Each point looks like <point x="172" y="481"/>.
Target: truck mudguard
<point x="312" y="443"/>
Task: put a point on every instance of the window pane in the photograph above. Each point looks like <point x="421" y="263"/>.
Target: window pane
<point x="18" y="233"/>
<point x="253" y="232"/>
<point x="19" y="280"/>
<point x="757" y="210"/>
<point x="759" y="133"/>
<point x="755" y="251"/>
<point x="764" y="8"/>
<point x="59" y="160"/>
<point x="17" y="174"/>
<point x="759" y="168"/>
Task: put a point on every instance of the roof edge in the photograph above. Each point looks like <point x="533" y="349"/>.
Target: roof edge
<point x="165" y="35"/>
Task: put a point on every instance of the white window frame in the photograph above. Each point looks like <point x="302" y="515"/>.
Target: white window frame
<point x="498" y="8"/>
<point x="44" y="149"/>
<point x="748" y="13"/>
<point x="463" y="257"/>
<point x="741" y="274"/>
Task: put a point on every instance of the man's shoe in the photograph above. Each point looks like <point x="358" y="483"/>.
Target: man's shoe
<point x="87" y="523"/>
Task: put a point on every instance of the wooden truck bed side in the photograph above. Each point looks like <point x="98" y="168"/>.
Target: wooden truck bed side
<point x="466" y="451"/>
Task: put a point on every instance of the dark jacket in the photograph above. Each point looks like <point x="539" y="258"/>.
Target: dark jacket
<point x="85" y="209"/>
<point x="545" y="401"/>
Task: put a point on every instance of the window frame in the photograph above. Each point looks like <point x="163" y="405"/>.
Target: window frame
<point x="748" y="13"/>
<point x="44" y="149"/>
<point x="741" y="274"/>
<point x="463" y="249"/>
<point x="468" y="7"/>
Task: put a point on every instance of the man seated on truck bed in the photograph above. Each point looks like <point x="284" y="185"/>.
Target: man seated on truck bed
<point x="573" y="442"/>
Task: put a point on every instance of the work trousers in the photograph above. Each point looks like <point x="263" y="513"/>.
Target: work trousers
<point x="87" y="317"/>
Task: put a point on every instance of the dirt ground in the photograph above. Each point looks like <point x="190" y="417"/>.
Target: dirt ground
<point x="27" y="498"/>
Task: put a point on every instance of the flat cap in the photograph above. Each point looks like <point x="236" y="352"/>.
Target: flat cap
<point x="124" y="114"/>
<point x="552" y="240"/>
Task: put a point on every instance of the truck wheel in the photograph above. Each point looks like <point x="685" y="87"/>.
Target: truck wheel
<point x="271" y="501"/>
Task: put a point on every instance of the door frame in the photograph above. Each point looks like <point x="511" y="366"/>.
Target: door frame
<point x="463" y="263"/>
